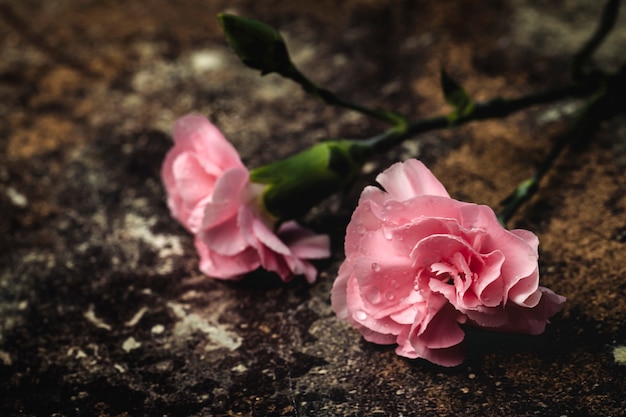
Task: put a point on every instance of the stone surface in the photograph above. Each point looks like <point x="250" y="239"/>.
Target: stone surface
<point x="102" y="308"/>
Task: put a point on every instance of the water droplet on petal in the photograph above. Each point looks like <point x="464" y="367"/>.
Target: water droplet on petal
<point x="360" y="315"/>
<point x="375" y="267"/>
<point x="394" y="283"/>
<point x="389" y="296"/>
<point x="387" y="233"/>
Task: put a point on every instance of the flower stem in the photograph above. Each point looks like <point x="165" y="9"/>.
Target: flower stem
<point x="585" y="122"/>
<point x="582" y="57"/>
<point x="496" y="108"/>
<point x="331" y="98"/>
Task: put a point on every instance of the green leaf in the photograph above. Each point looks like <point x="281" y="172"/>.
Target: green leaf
<point x="456" y="96"/>
<point x="257" y="44"/>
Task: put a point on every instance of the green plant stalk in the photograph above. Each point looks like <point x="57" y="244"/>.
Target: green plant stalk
<point x="331" y="98"/>
<point x="586" y="120"/>
<point x="496" y="108"/>
<point x="605" y="26"/>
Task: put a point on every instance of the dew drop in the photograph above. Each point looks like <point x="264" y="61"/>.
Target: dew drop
<point x="387" y="234"/>
<point x="360" y="315"/>
<point x="389" y="296"/>
<point x="375" y="267"/>
<point x="394" y="283"/>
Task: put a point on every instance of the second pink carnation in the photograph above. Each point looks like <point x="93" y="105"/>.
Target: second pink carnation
<point x="209" y="192"/>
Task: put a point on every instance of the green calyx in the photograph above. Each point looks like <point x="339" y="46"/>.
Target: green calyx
<point x="297" y="183"/>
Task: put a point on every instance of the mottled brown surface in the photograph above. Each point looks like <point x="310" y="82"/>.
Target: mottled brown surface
<point x="102" y="309"/>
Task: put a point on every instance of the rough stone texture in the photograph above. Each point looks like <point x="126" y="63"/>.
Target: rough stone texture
<point x="102" y="308"/>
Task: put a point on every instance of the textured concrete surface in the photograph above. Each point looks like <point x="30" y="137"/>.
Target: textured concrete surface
<point x="102" y="309"/>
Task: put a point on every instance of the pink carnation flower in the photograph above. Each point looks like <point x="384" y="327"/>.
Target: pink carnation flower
<point x="419" y="264"/>
<point x="209" y="193"/>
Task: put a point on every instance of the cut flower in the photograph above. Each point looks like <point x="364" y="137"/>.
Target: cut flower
<point x="419" y="264"/>
<point x="210" y="193"/>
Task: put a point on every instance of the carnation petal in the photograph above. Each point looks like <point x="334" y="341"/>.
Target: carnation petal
<point x="303" y="243"/>
<point x="440" y="329"/>
<point x="226" y="198"/>
<point x="268" y="238"/>
<point x="192" y="181"/>
<point x="196" y="132"/>
<point x="215" y="265"/>
<point x="403" y="181"/>
<point x="224" y="238"/>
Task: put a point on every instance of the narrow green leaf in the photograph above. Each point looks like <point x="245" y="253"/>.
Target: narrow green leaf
<point x="456" y="96"/>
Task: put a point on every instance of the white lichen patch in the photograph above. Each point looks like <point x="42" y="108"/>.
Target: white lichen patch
<point x="90" y="315"/>
<point x="139" y="228"/>
<point x="76" y="352"/>
<point x="241" y="368"/>
<point x="206" y="60"/>
<point x="135" y="319"/>
<point x="5" y="358"/>
<point x="130" y="344"/>
<point x="157" y="329"/>
<point x="218" y="335"/>
<point x="619" y="354"/>
<point x="17" y="199"/>
<point x="166" y="246"/>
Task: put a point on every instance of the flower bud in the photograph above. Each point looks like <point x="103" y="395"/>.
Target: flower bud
<point x="258" y="45"/>
<point x="297" y="183"/>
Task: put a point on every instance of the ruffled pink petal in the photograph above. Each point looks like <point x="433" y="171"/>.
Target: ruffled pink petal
<point x="225" y="238"/>
<point x="193" y="183"/>
<point x="442" y="330"/>
<point x="487" y="284"/>
<point x="215" y="265"/>
<point x="377" y="328"/>
<point x="533" y="320"/>
<point x="302" y="242"/>
<point x="338" y="293"/>
<point x="298" y="267"/>
<point x="384" y="286"/>
<point x="524" y="291"/>
<point x="196" y="133"/>
<point x="436" y="335"/>
<point x="520" y="251"/>
<point x="527" y="236"/>
<point x="405" y="180"/>
<point x="226" y="198"/>
<point x="268" y="238"/>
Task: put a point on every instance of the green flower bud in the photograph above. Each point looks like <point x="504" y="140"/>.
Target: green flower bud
<point x="258" y="45"/>
<point x="297" y="183"/>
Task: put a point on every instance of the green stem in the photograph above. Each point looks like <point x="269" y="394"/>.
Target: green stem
<point x="607" y="22"/>
<point x="496" y="108"/>
<point x="331" y="98"/>
<point x="585" y="121"/>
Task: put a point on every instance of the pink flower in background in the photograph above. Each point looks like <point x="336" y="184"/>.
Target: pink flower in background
<point x="419" y="263"/>
<point x="200" y="156"/>
<point x="210" y="194"/>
